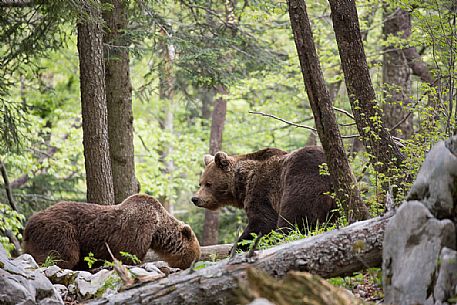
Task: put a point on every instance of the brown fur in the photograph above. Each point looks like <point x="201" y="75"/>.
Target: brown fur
<point x="275" y="188"/>
<point x="68" y="231"/>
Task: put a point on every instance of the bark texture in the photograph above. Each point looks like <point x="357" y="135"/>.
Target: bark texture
<point x="396" y="75"/>
<point x="375" y="137"/>
<point x="345" y="184"/>
<point x="211" y="224"/>
<point x="336" y="253"/>
<point x="94" y="113"/>
<point x="119" y="100"/>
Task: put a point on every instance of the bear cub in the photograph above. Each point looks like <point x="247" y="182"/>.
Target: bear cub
<point x="68" y="231"/>
<point x="276" y="189"/>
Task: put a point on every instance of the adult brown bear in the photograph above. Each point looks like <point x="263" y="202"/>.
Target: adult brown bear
<point x="68" y="231"/>
<point x="276" y="189"/>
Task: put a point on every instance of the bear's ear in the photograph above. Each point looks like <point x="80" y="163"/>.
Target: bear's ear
<point x="186" y="232"/>
<point x="222" y="160"/>
<point x="208" y="159"/>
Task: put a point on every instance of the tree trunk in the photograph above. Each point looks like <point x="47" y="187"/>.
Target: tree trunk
<point x="167" y="82"/>
<point x="345" y="184"/>
<point x="94" y="112"/>
<point x="211" y="224"/>
<point x="119" y="100"/>
<point x="396" y="75"/>
<point x="385" y="154"/>
<point x="6" y="183"/>
<point x="207" y="97"/>
<point x="335" y="253"/>
<point x="211" y="228"/>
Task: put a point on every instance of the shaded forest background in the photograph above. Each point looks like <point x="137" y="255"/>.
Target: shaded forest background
<point x="194" y="63"/>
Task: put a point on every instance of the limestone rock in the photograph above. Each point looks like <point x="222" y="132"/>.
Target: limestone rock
<point x="60" y="276"/>
<point x="96" y="285"/>
<point x="435" y="184"/>
<point x="62" y="289"/>
<point x="26" y="262"/>
<point x="260" y="301"/>
<point x="413" y="241"/>
<point x="446" y="282"/>
<point x="21" y="284"/>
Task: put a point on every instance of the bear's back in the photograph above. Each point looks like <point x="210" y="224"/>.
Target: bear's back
<point x="263" y="154"/>
<point x="304" y="189"/>
<point x="305" y="160"/>
<point x="123" y="227"/>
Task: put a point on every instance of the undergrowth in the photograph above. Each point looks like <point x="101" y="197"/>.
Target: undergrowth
<point x="366" y="284"/>
<point x="12" y="221"/>
<point x="278" y="237"/>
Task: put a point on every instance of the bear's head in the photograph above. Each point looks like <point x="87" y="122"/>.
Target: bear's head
<point x="216" y="182"/>
<point x="187" y="249"/>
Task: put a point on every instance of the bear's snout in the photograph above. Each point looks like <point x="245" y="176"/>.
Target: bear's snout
<point x="195" y="200"/>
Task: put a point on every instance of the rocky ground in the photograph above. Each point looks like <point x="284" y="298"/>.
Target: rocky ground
<point x="22" y="281"/>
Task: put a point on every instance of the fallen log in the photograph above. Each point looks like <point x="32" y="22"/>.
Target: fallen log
<point x="336" y="253"/>
<point x="209" y="253"/>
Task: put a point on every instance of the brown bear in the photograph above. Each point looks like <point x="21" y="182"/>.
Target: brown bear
<point x="68" y="231"/>
<point x="276" y="189"/>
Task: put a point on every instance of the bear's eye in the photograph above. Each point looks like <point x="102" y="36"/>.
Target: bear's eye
<point x="207" y="184"/>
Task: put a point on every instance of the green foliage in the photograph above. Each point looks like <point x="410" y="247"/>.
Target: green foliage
<point x="372" y="277"/>
<point x="430" y="129"/>
<point x="26" y="34"/>
<point x="11" y="118"/>
<point x="113" y="282"/>
<point x="213" y="48"/>
<point x="51" y="260"/>
<point x="90" y="259"/>
<point x="131" y="257"/>
<point x="12" y="221"/>
<point x="201" y="265"/>
<point x="323" y="169"/>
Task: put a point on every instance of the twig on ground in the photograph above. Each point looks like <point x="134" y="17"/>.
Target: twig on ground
<point x="254" y="247"/>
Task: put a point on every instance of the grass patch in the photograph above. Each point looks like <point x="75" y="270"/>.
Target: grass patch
<point x="277" y="237"/>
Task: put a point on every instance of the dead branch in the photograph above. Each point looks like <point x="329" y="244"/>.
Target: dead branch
<point x="284" y="121"/>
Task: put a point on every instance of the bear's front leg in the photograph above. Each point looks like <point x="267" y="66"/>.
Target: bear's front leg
<point x="261" y="219"/>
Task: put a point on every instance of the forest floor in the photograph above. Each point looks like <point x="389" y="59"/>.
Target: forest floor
<point x="365" y="285"/>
